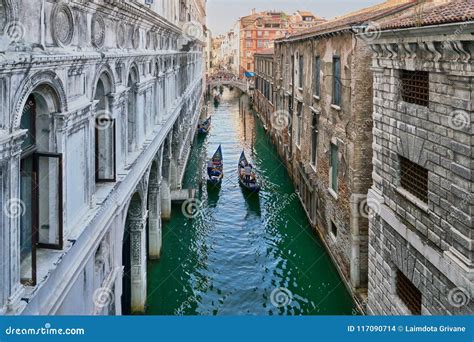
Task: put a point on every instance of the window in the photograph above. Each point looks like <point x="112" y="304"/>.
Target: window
<point x="41" y="223"/>
<point x="249" y="43"/>
<point x="334" y="167"/>
<point x="260" y="43"/>
<point x="408" y="293"/>
<point x="299" y="122"/>
<point x="259" y="33"/>
<point x="336" y="81"/>
<point x="317" y="76"/>
<point x="249" y="34"/>
<point x="292" y="68"/>
<point x="104" y="134"/>
<point x="333" y="229"/>
<point x="105" y="149"/>
<point x="314" y="139"/>
<point x="132" y="111"/>
<point x="414" y="179"/>
<point x="415" y="87"/>
<point x="301" y="71"/>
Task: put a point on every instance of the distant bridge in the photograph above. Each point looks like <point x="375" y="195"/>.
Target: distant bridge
<point x="242" y="85"/>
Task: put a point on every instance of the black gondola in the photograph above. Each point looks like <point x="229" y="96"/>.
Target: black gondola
<point x="215" y="167"/>
<point x="205" y="126"/>
<point x="217" y="100"/>
<point x="247" y="176"/>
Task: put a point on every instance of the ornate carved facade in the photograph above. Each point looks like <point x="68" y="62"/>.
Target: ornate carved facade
<point x="98" y="106"/>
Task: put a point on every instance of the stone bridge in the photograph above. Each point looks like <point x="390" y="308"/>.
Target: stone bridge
<point x="242" y="85"/>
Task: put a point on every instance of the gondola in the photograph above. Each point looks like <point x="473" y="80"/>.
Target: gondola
<point x="247" y="178"/>
<point x="215" y="168"/>
<point x="217" y="100"/>
<point x="205" y="126"/>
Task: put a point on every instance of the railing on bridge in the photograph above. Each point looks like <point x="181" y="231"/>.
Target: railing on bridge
<point x="230" y="80"/>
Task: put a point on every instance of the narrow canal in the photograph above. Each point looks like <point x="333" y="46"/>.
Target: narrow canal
<point x="243" y="253"/>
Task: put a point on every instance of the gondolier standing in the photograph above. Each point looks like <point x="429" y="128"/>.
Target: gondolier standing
<point x="248" y="172"/>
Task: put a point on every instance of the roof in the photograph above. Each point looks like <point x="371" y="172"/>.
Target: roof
<point x="355" y="18"/>
<point x="305" y="13"/>
<point x="268" y="51"/>
<point x="452" y="12"/>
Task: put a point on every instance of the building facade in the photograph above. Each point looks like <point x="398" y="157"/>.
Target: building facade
<point x="258" y="32"/>
<point x="98" y="106"/>
<point x="322" y="130"/>
<point x="264" y="95"/>
<point x="421" y="252"/>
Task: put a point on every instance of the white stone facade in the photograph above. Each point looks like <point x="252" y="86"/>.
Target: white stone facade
<point x="99" y="102"/>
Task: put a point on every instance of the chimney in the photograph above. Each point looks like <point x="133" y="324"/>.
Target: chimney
<point x="253" y="11"/>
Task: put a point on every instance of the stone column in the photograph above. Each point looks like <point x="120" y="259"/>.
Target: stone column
<point x="138" y="263"/>
<point x="154" y="221"/>
<point x="165" y="200"/>
<point x="11" y="289"/>
<point x="169" y="99"/>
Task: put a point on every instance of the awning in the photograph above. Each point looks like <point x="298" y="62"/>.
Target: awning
<point x="249" y="74"/>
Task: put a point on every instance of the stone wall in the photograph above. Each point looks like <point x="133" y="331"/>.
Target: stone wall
<point x="430" y="242"/>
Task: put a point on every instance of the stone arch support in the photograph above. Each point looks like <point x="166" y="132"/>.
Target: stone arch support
<point x="165" y="200"/>
<point x="134" y="257"/>
<point x="154" y="221"/>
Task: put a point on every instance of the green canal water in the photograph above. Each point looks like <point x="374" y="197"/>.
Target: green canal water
<point x="243" y="254"/>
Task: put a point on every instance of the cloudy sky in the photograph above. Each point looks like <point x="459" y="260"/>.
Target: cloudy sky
<point x="221" y="14"/>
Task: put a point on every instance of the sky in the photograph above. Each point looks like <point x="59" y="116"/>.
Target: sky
<point x="221" y="14"/>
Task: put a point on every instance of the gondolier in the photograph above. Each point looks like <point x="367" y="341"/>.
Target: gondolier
<point x="247" y="175"/>
<point x="215" y="167"/>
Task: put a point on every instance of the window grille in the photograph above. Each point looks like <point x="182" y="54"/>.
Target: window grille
<point x="415" y="87"/>
<point x="414" y="179"/>
<point x="408" y="293"/>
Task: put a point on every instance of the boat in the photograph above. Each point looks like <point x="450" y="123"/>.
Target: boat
<point x="215" y="167"/>
<point x="247" y="178"/>
<point x="217" y="100"/>
<point x="204" y="126"/>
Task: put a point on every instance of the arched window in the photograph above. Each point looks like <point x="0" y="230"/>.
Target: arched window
<point x="3" y="15"/>
<point x="105" y="141"/>
<point x="41" y="223"/>
<point x="132" y="110"/>
<point x="157" y="104"/>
